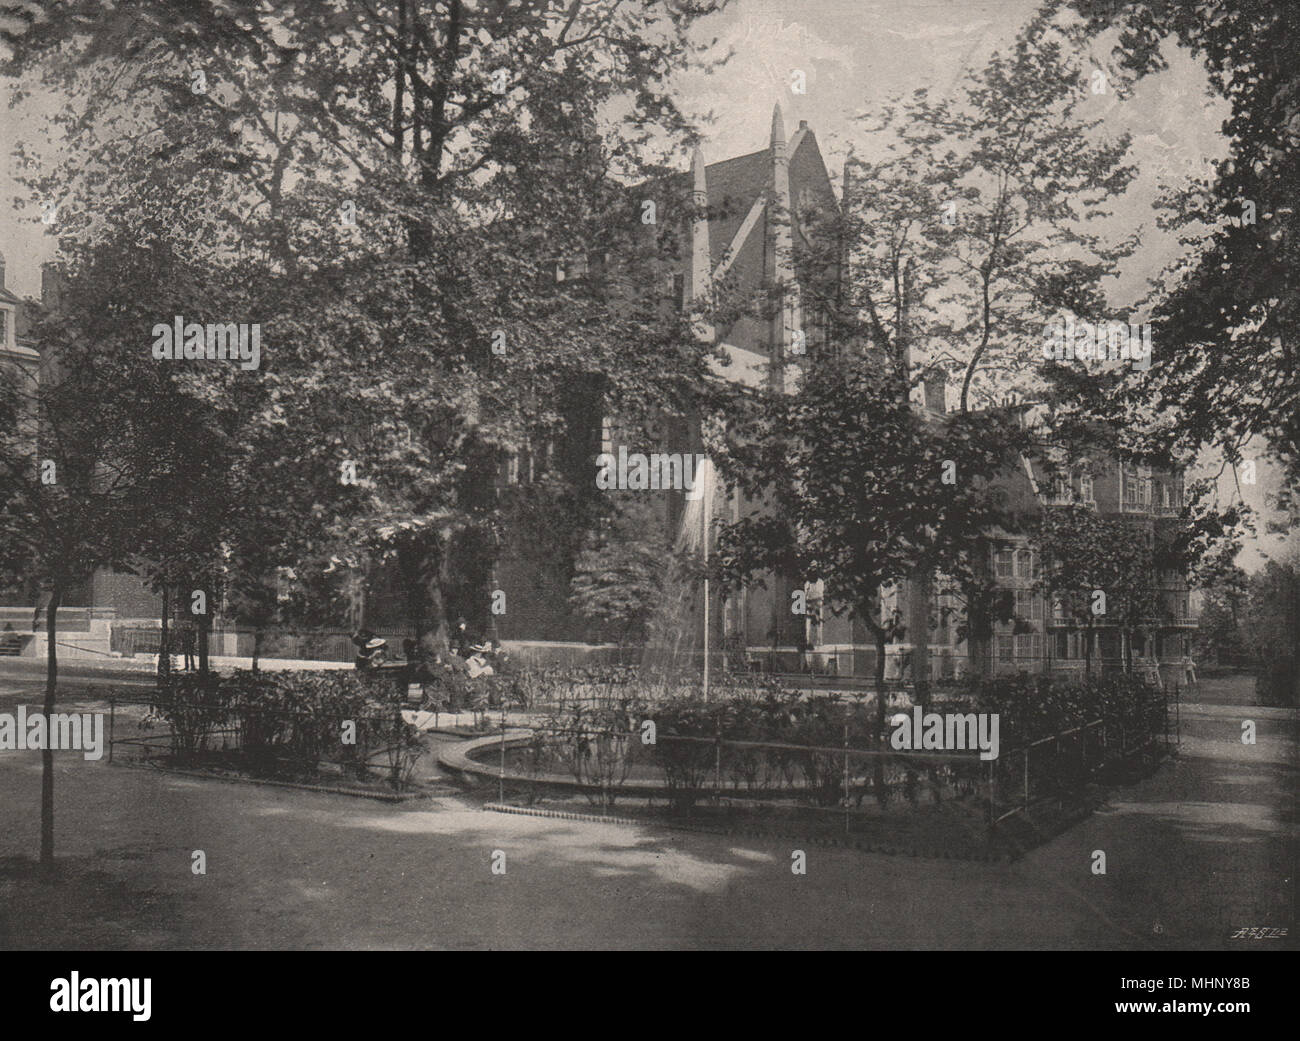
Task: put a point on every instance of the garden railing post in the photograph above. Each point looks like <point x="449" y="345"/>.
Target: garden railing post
<point x="112" y="718"/>
<point x="717" y="765"/>
<point x="846" y="773"/>
<point x="991" y="784"/>
<point x="1177" y="693"/>
<point x="501" y="773"/>
<point x="1178" y="721"/>
<point x="1026" y="756"/>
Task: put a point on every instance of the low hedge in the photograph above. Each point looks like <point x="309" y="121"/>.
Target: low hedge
<point x="289" y="722"/>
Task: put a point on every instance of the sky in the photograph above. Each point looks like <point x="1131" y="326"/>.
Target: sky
<point x="854" y="55"/>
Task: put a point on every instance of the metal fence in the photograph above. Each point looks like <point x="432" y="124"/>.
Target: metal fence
<point x="305" y="645"/>
<point x="851" y="778"/>
<point x="264" y="742"/>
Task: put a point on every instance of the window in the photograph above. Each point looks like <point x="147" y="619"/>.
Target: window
<point x="1029" y="646"/>
<point x="1129" y="482"/>
<point x="1005" y="647"/>
<point x="1085" y="486"/>
<point x="1003" y="561"/>
<point x="1028" y="606"/>
<point x="1026" y="565"/>
<point x="815" y="623"/>
<point x="1069" y="646"/>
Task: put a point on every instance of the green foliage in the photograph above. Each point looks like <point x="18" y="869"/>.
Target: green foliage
<point x="1229" y="317"/>
<point x="597" y="744"/>
<point x="619" y="576"/>
<point x="1033" y="707"/>
<point x="288" y="723"/>
<point x="972" y="228"/>
<point x="851" y="483"/>
<point x="378" y="332"/>
<point x="1085" y="551"/>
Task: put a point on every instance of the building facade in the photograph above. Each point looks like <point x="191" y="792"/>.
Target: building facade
<point x="748" y="217"/>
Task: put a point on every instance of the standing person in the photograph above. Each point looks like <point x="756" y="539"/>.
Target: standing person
<point x="189" y="636"/>
<point x="460" y="639"/>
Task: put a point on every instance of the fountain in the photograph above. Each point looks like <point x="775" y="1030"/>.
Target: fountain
<point x="679" y="629"/>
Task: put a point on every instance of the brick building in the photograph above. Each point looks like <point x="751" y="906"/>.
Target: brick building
<point x="749" y="216"/>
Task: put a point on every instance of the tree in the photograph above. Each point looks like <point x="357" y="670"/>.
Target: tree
<point x="1099" y="568"/>
<point x="975" y="221"/>
<point x="392" y="170"/>
<point x="852" y="488"/>
<point x="619" y="575"/>
<point x="1218" y="632"/>
<point x="1272" y="617"/>
<point x="1228" y="313"/>
<point x="82" y="461"/>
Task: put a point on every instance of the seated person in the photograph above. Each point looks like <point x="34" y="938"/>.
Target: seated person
<point x="371" y="650"/>
<point x="477" y="662"/>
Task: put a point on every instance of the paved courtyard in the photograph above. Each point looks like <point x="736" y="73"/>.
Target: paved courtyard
<point x="1205" y="847"/>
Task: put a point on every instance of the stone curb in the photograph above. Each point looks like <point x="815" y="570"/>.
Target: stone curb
<point x="325" y="789"/>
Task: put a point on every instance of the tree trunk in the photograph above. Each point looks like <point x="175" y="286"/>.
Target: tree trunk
<point x="164" y="647"/>
<point x="257" y="645"/>
<point x="438" y="636"/>
<point x="203" y="642"/>
<point x="919" y="624"/>
<point x="878" y="768"/>
<point x="47" y="753"/>
<point x="359" y="596"/>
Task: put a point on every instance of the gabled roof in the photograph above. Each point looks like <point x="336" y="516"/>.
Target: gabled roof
<point x="735" y="184"/>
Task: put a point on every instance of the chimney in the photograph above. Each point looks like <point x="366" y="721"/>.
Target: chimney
<point x="51" y="285"/>
<point x="699" y="284"/>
